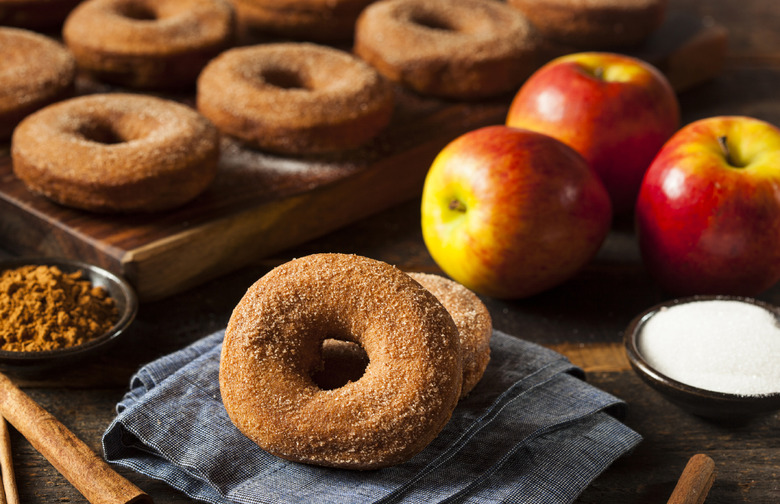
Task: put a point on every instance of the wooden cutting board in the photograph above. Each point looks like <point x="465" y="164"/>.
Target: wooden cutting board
<point x="261" y="203"/>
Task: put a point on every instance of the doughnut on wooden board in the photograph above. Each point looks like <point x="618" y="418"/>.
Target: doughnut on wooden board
<point x="261" y="203"/>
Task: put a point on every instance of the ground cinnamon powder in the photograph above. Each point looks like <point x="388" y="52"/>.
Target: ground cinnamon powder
<point x="42" y="308"/>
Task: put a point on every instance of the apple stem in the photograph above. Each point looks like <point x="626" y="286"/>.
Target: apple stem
<point x="723" y="141"/>
<point x="599" y="72"/>
<point x="457" y="206"/>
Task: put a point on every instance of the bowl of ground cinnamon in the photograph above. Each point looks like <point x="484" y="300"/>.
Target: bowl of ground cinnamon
<point x="55" y="311"/>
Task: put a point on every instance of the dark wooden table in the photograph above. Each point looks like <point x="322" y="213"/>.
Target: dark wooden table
<point x="583" y="319"/>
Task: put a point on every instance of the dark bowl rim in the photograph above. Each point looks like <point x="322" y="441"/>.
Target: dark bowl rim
<point x="642" y="367"/>
<point x="127" y="316"/>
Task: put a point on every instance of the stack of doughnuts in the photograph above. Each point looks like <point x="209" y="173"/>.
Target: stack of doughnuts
<point x="413" y="366"/>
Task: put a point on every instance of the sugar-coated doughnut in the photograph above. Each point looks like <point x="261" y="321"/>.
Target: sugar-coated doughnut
<point x="471" y="317"/>
<point x="148" y="43"/>
<point x="461" y="49"/>
<point x="35" y="14"/>
<point x="344" y="361"/>
<point x="116" y="153"/>
<point x="273" y="343"/>
<point x="594" y="24"/>
<point x="34" y="71"/>
<point x="315" y="20"/>
<point x="295" y="98"/>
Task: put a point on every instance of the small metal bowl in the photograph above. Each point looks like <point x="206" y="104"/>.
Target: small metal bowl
<point x="33" y="362"/>
<point x="701" y="402"/>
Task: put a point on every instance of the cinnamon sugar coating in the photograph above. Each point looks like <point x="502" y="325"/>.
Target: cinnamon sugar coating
<point x="116" y="153"/>
<point x="34" y="72"/>
<point x="594" y="24"/>
<point x="295" y="98"/>
<point x="273" y="344"/>
<point x="460" y="49"/>
<point x="149" y="44"/>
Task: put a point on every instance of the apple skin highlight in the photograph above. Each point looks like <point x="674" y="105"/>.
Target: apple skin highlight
<point x="708" y="221"/>
<point x="510" y="213"/>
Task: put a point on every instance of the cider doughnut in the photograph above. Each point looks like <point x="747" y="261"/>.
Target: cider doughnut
<point x="116" y="153"/>
<point x="344" y="361"/>
<point x="35" y="14"/>
<point x="272" y="344"/>
<point x="471" y="317"/>
<point x="594" y="24"/>
<point x="316" y="20"/>
<point x="34" y="71"/>
<point x="148" y="43"/>
<point x="461" y="49"/>
<point x="295" y="98"/>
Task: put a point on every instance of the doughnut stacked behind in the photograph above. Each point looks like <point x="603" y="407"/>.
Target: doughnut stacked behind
<point x="273" y="343"/>
<point x="150" y="44"/>
<point x="594" y="24"/>
<point x="295" y="98"/>
<point x="35" y="14"/>
<point x="458" y="49"/>
<point x="116" y="153"/>
<point x="315" y="20"/>
<point x="471" y="317"/>
<point x="34" y="71"/>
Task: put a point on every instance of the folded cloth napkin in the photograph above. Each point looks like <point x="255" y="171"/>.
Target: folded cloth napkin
<point x="532" y="431"/>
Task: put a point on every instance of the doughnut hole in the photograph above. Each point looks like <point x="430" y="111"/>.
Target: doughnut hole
<point x="133" y="10"/>
<point x="284" y="78"/>
<point x="448" y="23"/>
<point x="342" y="362"/>
<point x="113" y="130"/>
<point x="137" y="11"/>
<point x="433" y="21"/>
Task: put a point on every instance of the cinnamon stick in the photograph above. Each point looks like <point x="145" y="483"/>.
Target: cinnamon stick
<point x="11" y="492"/>
<point x="695" y="481"/>
<point x="89" y="473"/>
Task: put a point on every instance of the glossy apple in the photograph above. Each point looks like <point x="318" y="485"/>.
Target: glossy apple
<point x="510" y="213"/>
<point x="708" y="212"/>
<point x="615" y="110"/>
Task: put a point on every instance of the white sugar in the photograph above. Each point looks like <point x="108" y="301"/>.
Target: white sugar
<point x="718" y="345"/>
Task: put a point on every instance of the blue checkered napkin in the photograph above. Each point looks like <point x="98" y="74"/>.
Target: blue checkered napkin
<point x="530" y="432"/>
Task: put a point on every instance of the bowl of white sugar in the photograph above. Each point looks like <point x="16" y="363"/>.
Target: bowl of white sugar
<point x="715" y="356"/>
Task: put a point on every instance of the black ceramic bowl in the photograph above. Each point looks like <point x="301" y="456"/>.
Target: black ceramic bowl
<point x="705" y="403"/>
<point x="117" y="288"/>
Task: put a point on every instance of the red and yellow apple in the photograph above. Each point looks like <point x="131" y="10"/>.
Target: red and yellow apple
<point x="510" y="213"/>
<point x="708" y="212"/>
<point x="615" y="110"/>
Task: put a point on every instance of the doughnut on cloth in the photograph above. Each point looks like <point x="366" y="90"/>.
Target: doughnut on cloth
<point x="273" y="345"/>
<point x="531" y="431"/>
